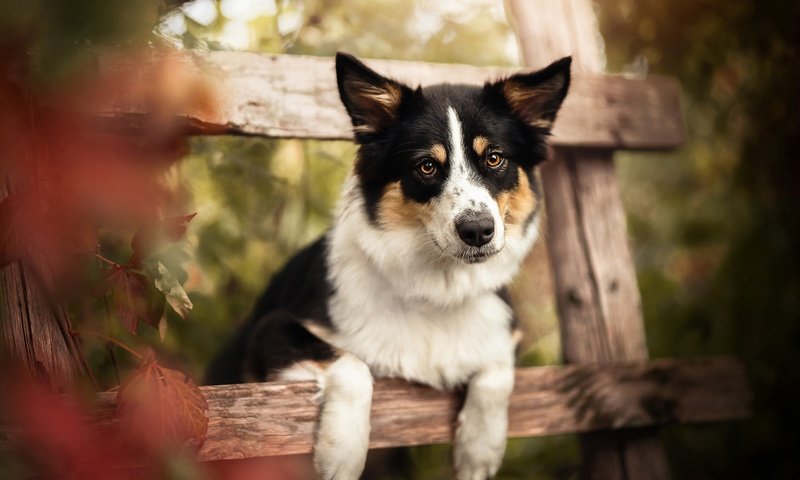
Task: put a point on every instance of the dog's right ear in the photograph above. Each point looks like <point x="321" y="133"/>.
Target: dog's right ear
<point x="373" y="101"/>
<point x="536" y="97"/>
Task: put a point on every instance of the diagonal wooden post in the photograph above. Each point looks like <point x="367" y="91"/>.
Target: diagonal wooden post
<point x="595" y="281"/>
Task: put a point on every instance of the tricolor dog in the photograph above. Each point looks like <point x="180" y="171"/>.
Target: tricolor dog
<point x="441" y="208"/>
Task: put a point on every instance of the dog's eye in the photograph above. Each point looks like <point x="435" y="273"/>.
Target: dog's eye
<point x="427" y="168"/>
<point x="495" y="159"/>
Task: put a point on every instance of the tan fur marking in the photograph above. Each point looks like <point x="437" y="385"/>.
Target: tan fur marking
<point x="516" y="336"/>
<point x="319" y="331"/>
<point x="310" y="365"/>
<point x="480" y="144"/>
<point x="395" y="210"/>
<point x="502" y="204"/>
<point x="387" y="95"/>
<point x="529" y="102"/>
<point x="378" y="103"/>
<point x="439" y="153"/>
<point x="541" y="123"/>
<point x="519" y="203"/>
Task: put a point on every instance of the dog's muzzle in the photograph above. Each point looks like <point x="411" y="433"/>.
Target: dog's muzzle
<point x="475" y="230"/>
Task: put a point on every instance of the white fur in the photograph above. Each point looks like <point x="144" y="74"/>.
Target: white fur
<point x="482" y="424"/>
<point x="404" y="304"/>
<point x="409" y="311"/>
<point x="303" y="372"/>
<point x="462" y="192"/>
<point x="340" y="449"/>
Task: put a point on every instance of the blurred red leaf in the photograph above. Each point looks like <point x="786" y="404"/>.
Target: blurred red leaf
<point x="74" y="175"/>
<point x="41" y="228"/>
<point x="56" y="437"/>
<point x="292" y="467"/>
<point x="159" y="411"/>
<point x="10" y="248"/>
<point x="136" y="299"/>
<point x="175" y="227"/>
<point x="149" y="237"/>
<point x="162" y="409"/>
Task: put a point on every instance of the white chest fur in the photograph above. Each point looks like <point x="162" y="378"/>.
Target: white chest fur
<point x="439" y="346"/>
<point x="407" y="312"/>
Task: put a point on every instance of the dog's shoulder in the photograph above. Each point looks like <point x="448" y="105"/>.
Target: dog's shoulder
<point x="276" y="333"/>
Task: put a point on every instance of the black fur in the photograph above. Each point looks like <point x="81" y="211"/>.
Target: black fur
<point x="394" y="137"/>
<point x="273" y="337"/>
<point x="391" y="151"/>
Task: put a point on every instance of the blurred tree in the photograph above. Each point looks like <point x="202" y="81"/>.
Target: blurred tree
<point x="716" y="227"/>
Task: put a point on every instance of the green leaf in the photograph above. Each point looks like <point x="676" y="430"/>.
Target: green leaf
<point x="177" y="298"/>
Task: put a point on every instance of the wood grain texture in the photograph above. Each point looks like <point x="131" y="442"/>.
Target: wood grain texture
<point x="296" y="96"/>
<point x="266" y="419"/>
<point x="595" y="281"/>
<point x="33" y="331"/>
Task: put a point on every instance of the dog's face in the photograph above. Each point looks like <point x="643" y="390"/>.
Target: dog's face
<point x="453" y="163"/>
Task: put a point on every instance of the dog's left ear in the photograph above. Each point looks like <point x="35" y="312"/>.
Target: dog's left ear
<point x="373" y="101"/>
<point x="536" y="97"/>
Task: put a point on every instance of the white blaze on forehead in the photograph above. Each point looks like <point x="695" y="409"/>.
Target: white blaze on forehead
<point x="463" y="188"/>
<point x="463" y="192"/>
<point x="458" y="159"/>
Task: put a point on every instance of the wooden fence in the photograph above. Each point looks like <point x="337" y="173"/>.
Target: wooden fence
<point x="609" y="392"/>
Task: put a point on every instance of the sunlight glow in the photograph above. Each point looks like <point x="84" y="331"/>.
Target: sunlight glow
<point x="247" y="9"/>
<point x="236" y="34"/>
<point x="203" y="12"/>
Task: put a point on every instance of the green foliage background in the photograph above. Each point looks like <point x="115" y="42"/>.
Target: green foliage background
<point x="715" y="226"/>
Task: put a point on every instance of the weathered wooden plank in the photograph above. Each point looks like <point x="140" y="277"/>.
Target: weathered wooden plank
<point x="265" y="419"/>
<point x="594" y="277"/>
<point x="599" y="299"/>
<point x="296" y="96"/>
<point x="33" y="330"/>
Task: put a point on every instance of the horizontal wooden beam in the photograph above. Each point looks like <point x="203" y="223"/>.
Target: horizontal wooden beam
<point x="266" y="419"/>
<point x="296" y="96"/>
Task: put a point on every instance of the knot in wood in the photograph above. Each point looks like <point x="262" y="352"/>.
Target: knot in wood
<point x="574" y="297"/>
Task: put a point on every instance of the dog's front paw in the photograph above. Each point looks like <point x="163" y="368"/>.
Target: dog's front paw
<point x="479" y="445"/>
<point x="342" y="437"/>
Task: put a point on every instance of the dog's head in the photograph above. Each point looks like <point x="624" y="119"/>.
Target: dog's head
<point x="455" y="163"/>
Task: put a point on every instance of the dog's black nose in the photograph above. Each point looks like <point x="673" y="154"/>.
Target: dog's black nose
<point x="475" y="231"/>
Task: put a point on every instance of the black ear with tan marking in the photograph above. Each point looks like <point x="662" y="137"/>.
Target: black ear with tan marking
<point x="373" y="101"/>
<point x="536" y="97"/>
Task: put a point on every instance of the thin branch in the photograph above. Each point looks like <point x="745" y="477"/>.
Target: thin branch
<point x="116" y="342"/>
<point x="110" y="262"/>
<point x="77" y="347"/>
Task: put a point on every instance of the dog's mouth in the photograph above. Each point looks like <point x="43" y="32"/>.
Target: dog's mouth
<point x="470" y="255"/>
<point x="479" y="256"/>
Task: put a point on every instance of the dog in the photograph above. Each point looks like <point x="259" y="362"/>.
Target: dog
<point x="441" y="208"/>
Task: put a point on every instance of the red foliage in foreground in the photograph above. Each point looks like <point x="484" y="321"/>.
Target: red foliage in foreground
<point x="67" y="172"/>
<point x="160" y="414"/>
<point x="69" y="169"/>
<point x="89" y="155"/>
<point x="162" y="409"/>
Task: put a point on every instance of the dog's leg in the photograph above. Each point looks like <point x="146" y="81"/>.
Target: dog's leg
<point x="342" y="439"/>
<point x="482" y="424"/>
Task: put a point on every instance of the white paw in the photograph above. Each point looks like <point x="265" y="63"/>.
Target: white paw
<point x="333" y="462"/>
<point x="340" y="450"/>
<point x="479" y="444"/>
<point x="482" y="425"/>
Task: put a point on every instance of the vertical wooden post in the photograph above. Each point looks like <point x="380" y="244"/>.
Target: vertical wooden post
<point x="595" y="281"/>
<point x="34" y="332"/>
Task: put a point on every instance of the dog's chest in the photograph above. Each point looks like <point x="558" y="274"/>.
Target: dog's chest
<point x="441" y="347"/>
